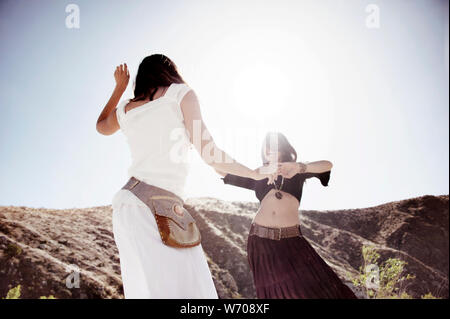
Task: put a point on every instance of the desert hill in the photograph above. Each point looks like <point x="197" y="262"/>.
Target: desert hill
<point x="38" y="246"/>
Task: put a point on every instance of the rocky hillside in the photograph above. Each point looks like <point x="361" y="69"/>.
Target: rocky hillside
<point x="38" y="247"/>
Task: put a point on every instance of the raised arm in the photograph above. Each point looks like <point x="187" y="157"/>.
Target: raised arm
<point x="314" y="167"/>
<point x="289" y="169"/>
<point x="107" y="121"/>
<point x="319" y="169"/>
<point x="220" y="172"/>
<point x="236" y="180"/>
<point x="205" y="145"/>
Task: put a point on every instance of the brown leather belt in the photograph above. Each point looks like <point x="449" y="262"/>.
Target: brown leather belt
<point x="275" y="233"/>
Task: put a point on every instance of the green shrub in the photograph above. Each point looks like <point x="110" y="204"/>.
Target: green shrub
<point x="429" y="296"/>
<point x="383" y="281"/>
<point x="14" y="293"/>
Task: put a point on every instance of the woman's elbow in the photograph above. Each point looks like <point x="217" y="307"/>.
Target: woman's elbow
<point x="99" y="129"/>
<point x="102" y="129"/>
<point x="107" y="126"/>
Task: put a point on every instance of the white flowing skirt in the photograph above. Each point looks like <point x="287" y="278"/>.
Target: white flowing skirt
<point x="151" y="269"/>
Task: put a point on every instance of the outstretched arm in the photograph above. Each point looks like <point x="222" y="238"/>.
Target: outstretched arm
<point x="239" y="181"/>
<point x="319" y="169"/>
<point x="236" y="180"/>
<point x="220" y="172"/>
<point x="107" y="121"/>
<point x="289" y="169"/>
<point x="207" y="148"/>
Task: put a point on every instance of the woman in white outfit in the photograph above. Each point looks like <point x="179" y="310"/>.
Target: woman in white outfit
<point x="160" y="123"/>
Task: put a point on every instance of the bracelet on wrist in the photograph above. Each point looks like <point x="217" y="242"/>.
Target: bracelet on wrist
<point x="302" y="167"/>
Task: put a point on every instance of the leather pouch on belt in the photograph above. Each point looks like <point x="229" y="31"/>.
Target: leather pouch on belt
<point x="176" y="226"/>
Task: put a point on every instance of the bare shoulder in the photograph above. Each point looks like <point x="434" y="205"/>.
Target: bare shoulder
<point x="189" y="98"/>
<point x="190" y="104"/>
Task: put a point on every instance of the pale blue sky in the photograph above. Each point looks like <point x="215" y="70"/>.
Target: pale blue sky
<point x="375" y="102"/>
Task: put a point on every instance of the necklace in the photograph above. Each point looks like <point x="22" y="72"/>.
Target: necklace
<point x="278" y="193"/>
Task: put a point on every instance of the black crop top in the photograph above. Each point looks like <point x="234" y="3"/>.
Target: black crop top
<point x="293" y="186"/>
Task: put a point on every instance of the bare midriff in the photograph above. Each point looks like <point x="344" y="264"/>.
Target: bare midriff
<point x="274" y="212"/>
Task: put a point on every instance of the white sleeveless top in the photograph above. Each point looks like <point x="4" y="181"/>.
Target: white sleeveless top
<point x="158" y="140"/>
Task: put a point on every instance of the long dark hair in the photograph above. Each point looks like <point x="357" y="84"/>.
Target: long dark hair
<point x="154" y="71"/>
<point x="287" y="152"/>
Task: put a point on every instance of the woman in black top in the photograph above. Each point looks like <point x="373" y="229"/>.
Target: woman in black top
<point x="283" y="263"/>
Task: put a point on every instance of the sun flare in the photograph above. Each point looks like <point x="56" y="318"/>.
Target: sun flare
<point x="260" y="91"/>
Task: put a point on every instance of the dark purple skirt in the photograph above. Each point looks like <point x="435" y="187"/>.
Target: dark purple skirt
<point x="291" y="268"/>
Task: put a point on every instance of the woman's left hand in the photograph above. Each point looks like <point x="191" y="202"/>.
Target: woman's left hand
<point x="289" y="169"/>
<point x="122" y="75"/>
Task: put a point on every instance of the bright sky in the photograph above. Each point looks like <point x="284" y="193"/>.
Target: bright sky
<point x="373" y="101"/>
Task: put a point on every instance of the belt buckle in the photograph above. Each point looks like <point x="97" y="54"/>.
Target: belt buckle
<point x="279" y="233"/>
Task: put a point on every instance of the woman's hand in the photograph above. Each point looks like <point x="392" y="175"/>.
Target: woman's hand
<point x="268" y="172"/>
<point x="122" y="76"/>
<point x="289" y="169"/>
<point x="270" y="177"/>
